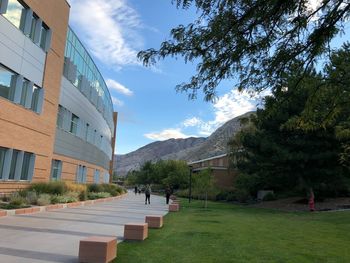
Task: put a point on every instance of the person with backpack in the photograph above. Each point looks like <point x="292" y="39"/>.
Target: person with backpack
<point x="167" y="194"/>
<point x="148" y="194"/>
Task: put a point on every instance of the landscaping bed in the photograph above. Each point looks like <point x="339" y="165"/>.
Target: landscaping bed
<point x="54" y="195"/>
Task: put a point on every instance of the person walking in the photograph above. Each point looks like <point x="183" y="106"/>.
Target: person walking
<point x="135" y="189"/>
<point x="167" y="194"/>
<point x="148" y="194"/>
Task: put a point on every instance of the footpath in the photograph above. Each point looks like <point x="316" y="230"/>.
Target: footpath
<point x="54" y="236"/>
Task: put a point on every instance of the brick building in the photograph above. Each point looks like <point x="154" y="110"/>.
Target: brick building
<point x="56" y="113"/>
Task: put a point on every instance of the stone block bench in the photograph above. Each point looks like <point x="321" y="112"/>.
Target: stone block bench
<point x="174" y="207"/>
<point x="97" y="249"/>
<point x="154" y="221"/>
<point x="136" y="231"/>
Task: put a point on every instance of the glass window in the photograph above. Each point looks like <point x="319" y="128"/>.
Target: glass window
<point x="56" y="170"/>
<point x="25" y="166"/>
<point x="32" y="32"/>
<point x="6" y="82"/>
<point x="74" y="124"/>
<point x="2" y="160"/>
<point x="43" y="35"/>
<point x="60" y="116"/>
<point x="13" y="164"/>
<point x="35" y="98"/>
<point x="97" y="176"/>
<point x="24" y="93"/>
<point x="14" y="12"/>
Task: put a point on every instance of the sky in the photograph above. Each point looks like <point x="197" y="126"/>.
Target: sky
<point x="148" y="105"/>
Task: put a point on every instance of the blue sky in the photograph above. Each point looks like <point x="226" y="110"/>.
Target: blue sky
<point x="148" y="105"/>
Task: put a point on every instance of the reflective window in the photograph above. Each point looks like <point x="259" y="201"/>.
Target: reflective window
<point x="2" y="161"/>
<point x="14" y="12"/>
<point x="56" y="170"/>
<point x="43" y="35"/>
<point x="25" y="166"/>
<point x="87" y="68"/>
<point x="60" y="116"/>
<point x="13" y="164"/>
<point x="97" y="176"/>
<point x="35" y="98"/>
<point x="74" y="124"/>
<point x="32" y="27"/>
<point x="24" y="93"/>
<point x="6" y="82"/>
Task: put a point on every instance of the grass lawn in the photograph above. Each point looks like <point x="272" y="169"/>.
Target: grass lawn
<point x="230" y="233"/>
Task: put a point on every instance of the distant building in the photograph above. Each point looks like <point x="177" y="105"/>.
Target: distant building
<point x="56" y="113"/>
<point x="221" y="171"/>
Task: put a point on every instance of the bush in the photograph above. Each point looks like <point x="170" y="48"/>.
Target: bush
<point x="69" y="197"/>
<point x="56" y="188"/>
<point x="83" y="195"/>
<point x="73" y="187"/>
<point x="16" y="200"/>
<point x="242" y="195"/>
<point x="93" y="196"/>
<point x="94" y="188"/>
<point x="113" y="189"/>
<point x="32" y="197"/>
<point x="44" y="199"/>
<point x="269" y="197"/>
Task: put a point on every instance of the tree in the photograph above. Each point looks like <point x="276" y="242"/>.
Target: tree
<point x="255" y="41"/>
<point x="204" y="184"/>
<point x="282" y="156"/>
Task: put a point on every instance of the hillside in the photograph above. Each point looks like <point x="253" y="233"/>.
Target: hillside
<point x="190" y="149"/>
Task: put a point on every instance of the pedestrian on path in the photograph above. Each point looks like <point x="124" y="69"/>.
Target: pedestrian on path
<point x="135" y="189"/>
<point x="148" y="194"/>
<point x="167" y="194"/>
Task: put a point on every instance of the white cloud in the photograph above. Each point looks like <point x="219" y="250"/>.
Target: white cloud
<point x="109" y="28"/>
<point x="225" y="108"/>
<point x="114" y="85"/>
<point x="117" y="102"/>
<point x="191" y="122"/>
<point x="166" y="134"/>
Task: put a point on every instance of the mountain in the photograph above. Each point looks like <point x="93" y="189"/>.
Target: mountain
<point x="190" y="149"/>
<point x="153" y="152"/>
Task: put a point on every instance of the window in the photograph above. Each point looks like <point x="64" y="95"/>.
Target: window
<point x="13" y="165"/>
<point x="60" y="116"/>
<point x="43" y="35"/>
<point x="56" y="170"/>
<point x="7" y="83"/>
<point x="32" y="33"/>
<point x="26" y="166"/>
<point x="24" y="93"/>
<point x="81" y="174"/>
<point x="14" y="13"/>
<point x="106" y="178"/>
<point x="97" y="176"/>
<point x="74" y="124"/>
<point x="35" y="98"/>
<point x="2" y="161"/>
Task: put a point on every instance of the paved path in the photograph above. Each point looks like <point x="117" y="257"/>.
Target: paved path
<point x="54" y="236"/>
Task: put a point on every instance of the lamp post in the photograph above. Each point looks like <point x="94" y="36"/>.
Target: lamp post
<point x="190" y="188"/>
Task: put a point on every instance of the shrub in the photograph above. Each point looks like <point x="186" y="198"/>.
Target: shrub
<point x="32" y="197"/>
<point x="44" y="199"/>
<point x="93" y="195"/>
<point x="269" y="197"/>
<point x="73" y="187"/>
<point x="56" y="188"/>
<point x="16" y="200"/>
<point x="94" y="188"/>
<point x="113" y="189"/>
<point x="69" y="197"/>
<point x="242" y="195"/>
<point x="83" y="195"/>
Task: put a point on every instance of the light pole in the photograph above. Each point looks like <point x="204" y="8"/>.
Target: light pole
<point x="190" y="189"/>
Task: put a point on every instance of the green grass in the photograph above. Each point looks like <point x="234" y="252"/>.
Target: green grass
<point x="230" y="233"/>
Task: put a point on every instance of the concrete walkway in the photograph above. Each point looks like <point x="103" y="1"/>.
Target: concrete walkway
<point x="54" y="236"/>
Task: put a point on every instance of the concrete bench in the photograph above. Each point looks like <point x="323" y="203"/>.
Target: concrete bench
<point x="136" y="231"/>
<point x="174" y="207"/>
<point x="154" y="221"/>
<point x="97" y="249"/>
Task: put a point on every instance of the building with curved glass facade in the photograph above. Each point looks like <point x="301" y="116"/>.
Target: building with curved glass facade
<point x="56" y="113"/>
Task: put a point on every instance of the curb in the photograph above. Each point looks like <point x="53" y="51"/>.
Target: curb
<point x="38" y="209"/>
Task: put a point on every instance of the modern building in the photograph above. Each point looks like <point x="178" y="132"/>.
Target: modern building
<point x="56" y="113"/>
<point x="219" y="165"/>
